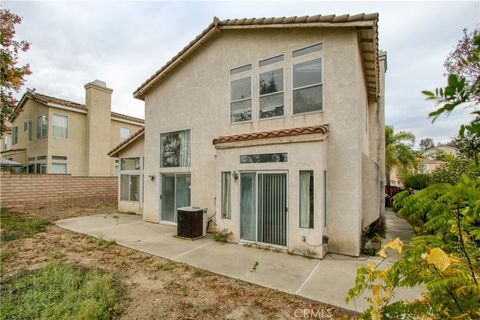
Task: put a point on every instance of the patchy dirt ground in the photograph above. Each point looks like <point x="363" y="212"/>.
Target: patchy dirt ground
<point x="155" y="288"/>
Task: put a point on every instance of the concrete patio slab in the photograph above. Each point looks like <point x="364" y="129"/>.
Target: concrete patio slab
<point x="326" y="281"/>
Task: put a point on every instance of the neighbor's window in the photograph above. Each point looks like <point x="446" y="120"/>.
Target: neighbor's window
<point x="15" y="135"/>
<point x="124" y="134"/>
<point x="130" y="164"/>
<point x="271" y="93"/>
<point x="241" y="100"/>
<point x="42" y="127"/>
<point x="129" y="187"/>
<point x="307" y="50"/>
<point x="60" y="126"/>
<point x="41" y="168"/>
<point x="30" y="130"/>
<point x="59" y="168"/>
<point x="226" y="195"/>
<point x="306" y="199"/>
<point x="5" y="142"/>
<point x="307" y="86"/>
<point x="31" y="168"/>
<point x="264" y="157"/>
<point x="175" y="149"/>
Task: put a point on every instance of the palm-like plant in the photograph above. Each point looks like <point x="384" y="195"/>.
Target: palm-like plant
<point x="398" y="151"/>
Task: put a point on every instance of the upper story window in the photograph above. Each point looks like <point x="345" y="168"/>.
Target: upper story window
<point x="241" y="100"/>
<point x="241" y="69"/>
<point x="307" y="86"/>
<point x="124" y="133"/>
<point x="15" y="135"/>
<point x="60" y="126"/>
<point x="307" y="50"/>
<point x="271" y="94"/>
<point x="130" y="163"/>
<point x="30" y="130"/>
<point x="42" y="127"/>
<point x="175" y="149"/>
<point x="272" y="60"/>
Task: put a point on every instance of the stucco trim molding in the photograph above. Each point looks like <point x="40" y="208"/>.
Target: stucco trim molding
<point x="321" y="130"/>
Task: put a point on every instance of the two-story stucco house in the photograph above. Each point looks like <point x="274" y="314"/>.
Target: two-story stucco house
<point x="275" y="125"/>
<point x="52" y="135"/>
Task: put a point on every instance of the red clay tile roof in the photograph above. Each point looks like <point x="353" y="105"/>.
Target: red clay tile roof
<point x="124" y="143"/>
<point x="272" y="134"/>
<point x="362" y="20"/>
<point x="42" y="98"/>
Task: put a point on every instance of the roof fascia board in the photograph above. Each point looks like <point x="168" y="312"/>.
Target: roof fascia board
<point x="59" y="106"/>
<point x="127" y="121"/>
<point x="300" y="25"/>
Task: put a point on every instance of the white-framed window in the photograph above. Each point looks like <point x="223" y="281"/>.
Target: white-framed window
<point x="42" y="127"/>
<point x="241" y="100"/>
<point x="271" y="94"/>
<point x="307" y="86"/>
<point x="124" y="133"/>
<point x="307" y="50"/>
<point x="60" y="126"/>
<point x="307" y="199"/>
<point x="226" y="204"/>
<point x="129" y="187"/>
<point x="130" y="163"/>
<point x="14" y="135"/>
<point x="175" y="149"/>
<point x="59" y="168"/>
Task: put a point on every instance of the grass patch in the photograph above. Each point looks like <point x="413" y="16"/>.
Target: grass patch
<point x="105" y="243"/>
<point x="60" y="291"/>
<point x="16" y="227"/>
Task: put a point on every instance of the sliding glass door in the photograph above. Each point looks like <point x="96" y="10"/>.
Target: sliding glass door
<point x="175" y="193"/>
<point x="263" y="207"/>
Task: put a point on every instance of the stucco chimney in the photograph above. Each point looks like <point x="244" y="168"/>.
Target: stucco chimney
<point x="98" y="100"/>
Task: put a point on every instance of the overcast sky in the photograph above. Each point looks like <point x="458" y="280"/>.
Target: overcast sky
<point x="123" y="43"/>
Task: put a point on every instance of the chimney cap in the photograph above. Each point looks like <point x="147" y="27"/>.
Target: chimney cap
<point x="99" y="84"/>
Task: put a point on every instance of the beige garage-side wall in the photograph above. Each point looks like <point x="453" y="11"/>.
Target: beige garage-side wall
<point x="196" y="96"/>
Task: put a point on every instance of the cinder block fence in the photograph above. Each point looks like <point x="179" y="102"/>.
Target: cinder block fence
<point x="34" y="190"/>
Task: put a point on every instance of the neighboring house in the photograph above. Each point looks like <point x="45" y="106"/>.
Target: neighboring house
<point x="430" y="160"/>
<point x="434" y="157"/>
<point x="52" y="135"/>
<point x="276" y="126"/>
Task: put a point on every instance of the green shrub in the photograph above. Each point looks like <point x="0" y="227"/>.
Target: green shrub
<point x="16" y="227"/>
<point x="416" y="181"/>
<point x="372" y="236"/>
<point x="221" y="235"/>
<point x="452" y="170"/>
<point x="59" y="291"/>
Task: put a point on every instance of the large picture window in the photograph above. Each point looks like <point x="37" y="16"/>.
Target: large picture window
<point x="129" y="187"/>
<point x="175" y="149"/>
<point x="42" y="127"/>
<point x="241" y="100"/>
<point x="271" y="94"/>
<point x="60" y="126"/>
<point x="307" y="86"/>
<point x="226" y="195"/>
<point x="306" y="199"/>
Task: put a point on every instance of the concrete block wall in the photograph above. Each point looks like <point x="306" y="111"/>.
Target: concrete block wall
<point x="35" y="190"/>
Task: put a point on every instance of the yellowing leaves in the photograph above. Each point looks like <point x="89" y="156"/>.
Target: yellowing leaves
<point x="396" y="244"/>
<point x="439" y="259"/>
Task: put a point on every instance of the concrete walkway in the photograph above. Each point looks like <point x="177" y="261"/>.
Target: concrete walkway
<point x="326" y="281"/>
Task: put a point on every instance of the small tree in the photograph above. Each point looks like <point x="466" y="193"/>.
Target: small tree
<point x="399" y="152"/>
<point x="11" y="74"/>
<point x="426" y="144"/>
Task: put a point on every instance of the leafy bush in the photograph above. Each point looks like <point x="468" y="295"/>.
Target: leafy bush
<point x="15" y="226"/>
<point x="59" y="291"/>
<point x="451" y="171"/>
<point x="416" y="181"/>
<point x="372" y="236"/>
<point x="221" y="235"/>
<point x="445" y="261"/>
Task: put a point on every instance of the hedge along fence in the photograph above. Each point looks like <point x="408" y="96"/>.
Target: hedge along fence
<point x="35" y="190"/>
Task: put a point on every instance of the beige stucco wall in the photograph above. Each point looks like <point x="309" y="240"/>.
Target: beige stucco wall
<point x="200" y="87"/>
<point x="134" y="149"/>
<point x="115" y="136"/>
